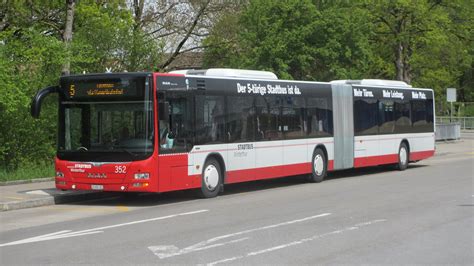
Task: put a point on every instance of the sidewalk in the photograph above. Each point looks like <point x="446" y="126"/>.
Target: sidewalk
<point x="21" y="196"/>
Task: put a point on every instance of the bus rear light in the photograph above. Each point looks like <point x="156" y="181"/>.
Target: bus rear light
<point x="59" y="174"/>
<point x="142" y="176"/>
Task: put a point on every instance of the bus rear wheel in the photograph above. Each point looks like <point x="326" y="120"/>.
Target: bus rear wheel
<point x="211" y="179"/>
<point x="319" y="166"/>
<point x="403" y="156"/>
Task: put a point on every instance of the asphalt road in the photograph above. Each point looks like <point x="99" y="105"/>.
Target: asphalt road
<point x="424" y="215"/>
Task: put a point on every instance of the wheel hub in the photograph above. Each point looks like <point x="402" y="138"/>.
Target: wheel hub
<point x="403" y="155"/>
<point x="211" y="177"/>
<point x="318" y="164"/>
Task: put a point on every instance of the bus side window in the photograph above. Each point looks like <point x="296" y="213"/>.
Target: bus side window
<point x="386" y="117"/>
<point x="318" y="117"/>
<point x="268" y="124"/>
<point x="365" y="117"/>
<point x="402" y="117"/>
<point x="293" y="117"/>
<point x="210" y="119"/>
<point x="240" y="118"/>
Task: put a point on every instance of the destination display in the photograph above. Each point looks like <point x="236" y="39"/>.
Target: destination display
<point x="122" y="88"/>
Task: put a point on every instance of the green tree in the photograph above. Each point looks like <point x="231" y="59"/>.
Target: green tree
<point x="105" y="37"/>
<point x="27" y="59"/>
<point x="295" y="39"/>
<point x="425" y="43"/>
<point x="32" y="53"/>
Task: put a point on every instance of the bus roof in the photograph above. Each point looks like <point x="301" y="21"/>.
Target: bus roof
<point x="374" y="82"/>
<point x="229" y="72"/>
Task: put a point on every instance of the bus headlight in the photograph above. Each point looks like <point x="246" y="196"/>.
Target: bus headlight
<point x="59" y="174"/>
<point x="142" y="176"/>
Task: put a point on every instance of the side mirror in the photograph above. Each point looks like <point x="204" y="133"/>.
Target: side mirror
<point x="38" y="99"/>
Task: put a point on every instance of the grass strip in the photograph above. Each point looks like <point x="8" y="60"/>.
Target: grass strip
<point x="27" y="172"/>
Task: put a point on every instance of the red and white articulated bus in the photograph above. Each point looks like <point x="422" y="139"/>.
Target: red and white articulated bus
<point x="157" y="132"/>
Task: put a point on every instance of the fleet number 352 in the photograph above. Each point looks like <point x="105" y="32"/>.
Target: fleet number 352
<point x="120" y="169"/>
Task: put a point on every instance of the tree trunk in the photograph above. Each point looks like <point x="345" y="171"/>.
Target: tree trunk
<point x="67" y="35"/>
<point x="138" y="13"/>
<point x="406" y="64"/>
<point x="399" y="60"/>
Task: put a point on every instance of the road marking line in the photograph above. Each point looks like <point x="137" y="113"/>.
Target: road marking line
<point x="224" y="260"/>
<point x="298" y="242"/>
<point x="166" y="251"/>
<point x="37" y="192"/>
<point x="123" y="208"/>
<point x="171" y="251"/>
<point x="69" y="233"/>
<point x="85" y="209"/>
<point x="16" y="198"/>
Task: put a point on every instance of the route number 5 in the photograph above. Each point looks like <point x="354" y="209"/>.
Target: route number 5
<point x="72" y="90"/>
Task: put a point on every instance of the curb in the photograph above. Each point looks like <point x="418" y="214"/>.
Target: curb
<point x="26" y="181"/>
<point x="74" y="196"/>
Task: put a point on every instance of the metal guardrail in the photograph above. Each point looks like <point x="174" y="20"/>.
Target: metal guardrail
<point x="464" y="122"/>
<point x="448" y="131"/>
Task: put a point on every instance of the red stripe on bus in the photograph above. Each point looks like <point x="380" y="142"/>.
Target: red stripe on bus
<point x="375" y="160"/>
<point x="389" y="158"/>
<point x="271" y="172"/>
<point x="420" y="155"/>
<point x="330" y="165"/>
<point x="267" y="172"/>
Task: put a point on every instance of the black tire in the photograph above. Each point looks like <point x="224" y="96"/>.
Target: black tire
<point x="318" y="166"/>
<point x="403" y="157"/>
<point x="210" y="186"/>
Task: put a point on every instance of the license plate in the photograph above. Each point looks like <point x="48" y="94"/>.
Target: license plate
<point x="97" y="187"/>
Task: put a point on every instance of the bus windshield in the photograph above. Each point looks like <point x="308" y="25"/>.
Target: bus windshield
<point x="106" y="130"/>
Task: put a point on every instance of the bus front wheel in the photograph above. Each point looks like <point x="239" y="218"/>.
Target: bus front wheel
<point x="211" y="179"/>
<point x="319" y="166"/>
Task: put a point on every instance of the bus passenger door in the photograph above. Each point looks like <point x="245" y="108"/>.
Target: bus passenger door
<point x="366" y="140"/>
<point x="295" y="128"/>
<point x="240" y="128"/>
<point x="269" y="137"/>
<point x="175" y="134"/>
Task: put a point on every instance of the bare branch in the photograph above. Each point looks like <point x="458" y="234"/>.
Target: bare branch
<point x="200" y="34"/>
<point x="193" y="48"/>
<point x="186" y="37"/>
